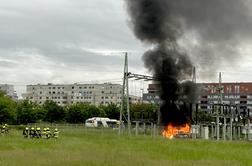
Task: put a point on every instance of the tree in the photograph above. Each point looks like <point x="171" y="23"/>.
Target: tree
<point x="77" y="113"/>
<point x="29" y="112"/>
<point x="143" y="111"/>
<point x="25" y="112"/>
<point x="7" y="109"/>
<point x="54" y="112"/>
<point x="93" y="111"/>
<point x="204" y="116"/>
<point x="112" y="111"/>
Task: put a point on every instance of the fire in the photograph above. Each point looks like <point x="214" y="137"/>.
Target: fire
<point x="170" y="130"/>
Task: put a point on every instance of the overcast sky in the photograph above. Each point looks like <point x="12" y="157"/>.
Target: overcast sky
<point x="67" y="41"/>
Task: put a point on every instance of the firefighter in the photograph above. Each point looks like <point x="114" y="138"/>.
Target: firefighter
<point x="32" y="132"/>
<point x="48" y="133"/>
<point x="56" y="133"/>
<point x="6" y="128"/>
<point x="44" y="133"/>
<point x="3" y="129"/>
<point x="38" y="132"/>
<point x="26" y="132"/>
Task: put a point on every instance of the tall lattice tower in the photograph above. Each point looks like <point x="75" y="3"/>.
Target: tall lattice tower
<point x="125" y="97"/>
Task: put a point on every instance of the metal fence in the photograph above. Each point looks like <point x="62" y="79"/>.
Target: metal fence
<point x="210" y="131"/>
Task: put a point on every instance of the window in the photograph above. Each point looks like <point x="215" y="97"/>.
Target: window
<point x="243" y="102"/>
<point x="72" y="87"/>
<point x="229" y="89"/>
<point x="203" y="107"/>
<point x="53" y="87"/>
<point x="53" y="92"/>
<point x="40" y="97"/>
<point x="237" y="89"/>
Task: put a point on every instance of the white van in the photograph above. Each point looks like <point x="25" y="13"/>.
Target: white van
<point x="101" y="122"/>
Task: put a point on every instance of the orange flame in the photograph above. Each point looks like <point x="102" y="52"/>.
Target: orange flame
<point x="170" y="130"/>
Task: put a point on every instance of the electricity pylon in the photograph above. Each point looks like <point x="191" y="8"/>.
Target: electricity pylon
<point x="125" y="97"/>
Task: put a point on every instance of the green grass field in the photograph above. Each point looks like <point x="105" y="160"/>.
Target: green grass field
<point x="82" y="148"/>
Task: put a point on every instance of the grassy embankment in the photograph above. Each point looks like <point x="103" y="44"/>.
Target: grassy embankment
<point x="81" y="148"/>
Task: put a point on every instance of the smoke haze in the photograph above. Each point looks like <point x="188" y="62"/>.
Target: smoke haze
<point x="182" y="31"/>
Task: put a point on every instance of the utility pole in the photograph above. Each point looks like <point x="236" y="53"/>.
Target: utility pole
<point x="194" y="75"/>
<point x="125" y="97"/>
<point x="219" y="109"/>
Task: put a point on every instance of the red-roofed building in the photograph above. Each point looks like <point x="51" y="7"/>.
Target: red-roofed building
<point x="239" y="94"/>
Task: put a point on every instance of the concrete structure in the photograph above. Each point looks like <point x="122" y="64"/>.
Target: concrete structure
<point x="9" y="90"/>
<point x="134" y="99"/>
<point x="153" y="94"/>
<point x="64" y="94"/>
<point x="239" y="94"/>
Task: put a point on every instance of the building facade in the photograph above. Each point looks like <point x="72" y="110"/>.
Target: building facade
<point x="239" y="94"/>
<point x="64" y="94"/>
<point x="153" y="94"/>
<point x="236" y="94"/>
<point x="9" y="90"/>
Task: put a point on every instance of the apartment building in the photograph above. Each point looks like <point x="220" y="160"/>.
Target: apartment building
<point x="9" y="90"/>
<point x="239" y="94"/>
<point x="64" y="94"/>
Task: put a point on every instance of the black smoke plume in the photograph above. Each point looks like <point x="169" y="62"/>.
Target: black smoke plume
<point x="214" y="28"/>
